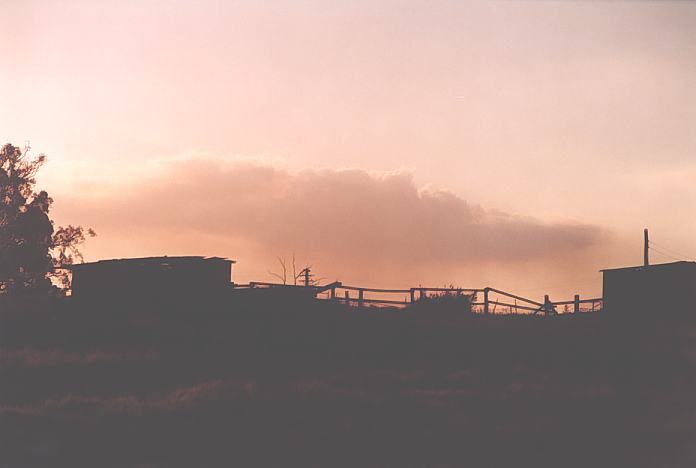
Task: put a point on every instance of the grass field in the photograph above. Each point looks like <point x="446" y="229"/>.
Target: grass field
<point x="322" y="385"/>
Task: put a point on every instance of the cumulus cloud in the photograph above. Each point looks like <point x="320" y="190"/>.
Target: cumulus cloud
<point x="347" y="217"/>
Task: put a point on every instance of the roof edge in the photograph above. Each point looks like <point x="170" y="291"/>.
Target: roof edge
<point x="164" y="258"/>
<point x="656" y="265"/>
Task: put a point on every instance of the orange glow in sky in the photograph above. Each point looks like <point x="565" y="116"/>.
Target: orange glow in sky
<point x="522" y="145"/>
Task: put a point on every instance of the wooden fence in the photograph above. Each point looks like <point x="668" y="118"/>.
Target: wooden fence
<point x="483" y="300"/>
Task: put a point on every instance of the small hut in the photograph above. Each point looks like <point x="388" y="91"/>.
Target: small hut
<point x="667" y="289"/>
<point x="151" y="277"/>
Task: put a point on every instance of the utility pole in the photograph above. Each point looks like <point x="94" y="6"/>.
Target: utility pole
<point x="646" y="246"/>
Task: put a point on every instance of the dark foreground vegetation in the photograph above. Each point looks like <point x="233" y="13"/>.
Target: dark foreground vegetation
<point x="317" y="384"/>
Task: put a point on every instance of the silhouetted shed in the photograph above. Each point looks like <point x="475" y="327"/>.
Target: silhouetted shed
<point x="151" y="277"/>
<point x="667" y="289"/>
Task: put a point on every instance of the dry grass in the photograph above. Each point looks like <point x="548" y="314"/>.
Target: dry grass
<point x="337" y="388"/>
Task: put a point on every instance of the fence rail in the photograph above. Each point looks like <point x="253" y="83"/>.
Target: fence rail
<point x="492" y="298"/>
<point x="350" y="300"/>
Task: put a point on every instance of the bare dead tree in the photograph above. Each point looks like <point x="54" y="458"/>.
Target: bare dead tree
<point x="284" y="277"/>
<point x="305" y="274"/>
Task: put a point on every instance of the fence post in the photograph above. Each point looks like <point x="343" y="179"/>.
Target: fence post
<point x="360" y="298"/>
<point x="485" y="300"/>
<point x="576" y="304"/>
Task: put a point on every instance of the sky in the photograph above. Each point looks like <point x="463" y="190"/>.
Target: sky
<point x="522" y="145"/>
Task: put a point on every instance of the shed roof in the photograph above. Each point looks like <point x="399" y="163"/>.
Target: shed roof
<point x="151" y="261"/>
<point x="659" y="266"/>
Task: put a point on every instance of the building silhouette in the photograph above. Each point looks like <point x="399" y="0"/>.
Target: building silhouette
<point x="667" y="290"/>
<point x="151" y="278"/>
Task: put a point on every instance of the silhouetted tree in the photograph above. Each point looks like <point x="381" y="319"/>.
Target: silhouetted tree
<point x="303" y="275"/>
<point x="65" y="251"/>
<point x="284" y="276"/>
<point x="30" y="249"/>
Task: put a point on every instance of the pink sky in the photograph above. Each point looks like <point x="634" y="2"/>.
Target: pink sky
<point x="522" y="145"/>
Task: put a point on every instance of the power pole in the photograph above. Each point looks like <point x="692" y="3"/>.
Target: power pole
<point x="646" y="246"/>
<point x="306" y="276"/>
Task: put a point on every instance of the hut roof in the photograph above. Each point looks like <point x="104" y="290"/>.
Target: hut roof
<point x="151" y="261"/>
